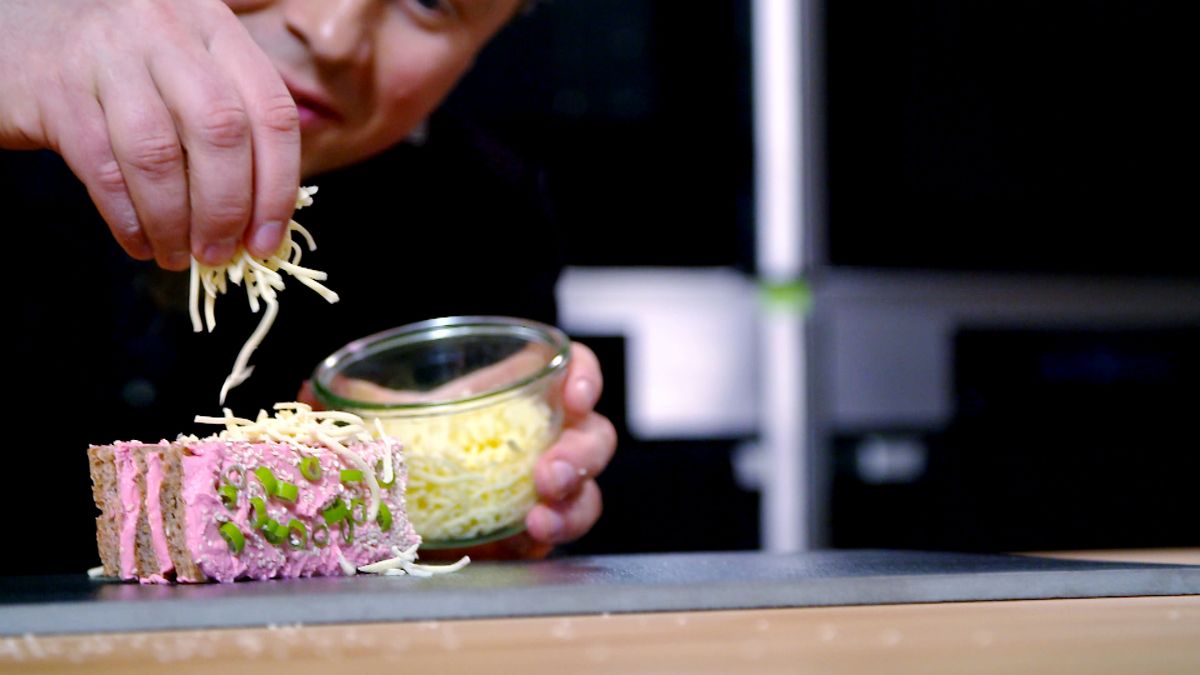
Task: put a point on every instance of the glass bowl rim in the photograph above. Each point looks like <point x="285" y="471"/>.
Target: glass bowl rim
<point x="420" y="332"/>
<point x="478" y="540"/>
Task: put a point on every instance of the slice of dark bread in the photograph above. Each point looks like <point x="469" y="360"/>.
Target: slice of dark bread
<point x="106" y="492"/>
<point x="108" y="500"/>
<point x="147" y="561"/>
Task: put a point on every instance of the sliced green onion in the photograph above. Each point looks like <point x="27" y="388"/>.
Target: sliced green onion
<point x="287" y="491"/>
<point x="379" y="471"/>
<point x="281" y="533"/>
<point x="236" y="476"/>
<point x="267" y="478"/>
<point x="384" y="518"/>
<point x="320" y="535"/>
<point x="336" y="513"/>
<point x="296" y="527"/>
<point x="274" y="531"/>
<point x="233" y="536"/>
<point x="351" y="476"/>
<point x="260" y="512"/>
<point x="311" y="468"/>
<point x="229" y="495"/>
<point x="346" y="528"/>
<point x="358" y="511"/>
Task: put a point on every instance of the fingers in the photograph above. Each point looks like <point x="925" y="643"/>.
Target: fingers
<point x="582" y="452"/>
<point x="274" y="128"/>
<point x="84" y="145"/>
<point x="214" y="127"/>
<point x="200" y="146"/>
<point x="584" y="382"/>
<point x="308" y="396"/>
<point x="150" y="158"/>
<point x="567" y="521"/>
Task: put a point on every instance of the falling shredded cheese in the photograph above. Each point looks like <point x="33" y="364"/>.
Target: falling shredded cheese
<point x="297" y="423"/>
<point x="263" y="280"/>
<point x="470" y="473"/>
<point x="293" y="423"/>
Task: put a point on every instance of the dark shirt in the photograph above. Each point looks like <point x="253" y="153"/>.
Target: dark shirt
<point x="103" y="344"/>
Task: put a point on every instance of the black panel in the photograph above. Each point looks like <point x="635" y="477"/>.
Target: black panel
<point x="1061" y="440"/>
<point x="1022" y="136"/>
<point x="641" y="112"/>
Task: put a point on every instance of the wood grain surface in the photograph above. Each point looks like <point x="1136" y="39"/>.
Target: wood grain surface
<point x="1121" y="635"/>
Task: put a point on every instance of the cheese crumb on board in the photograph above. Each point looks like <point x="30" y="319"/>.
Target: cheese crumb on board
<point x="405" y="562"/>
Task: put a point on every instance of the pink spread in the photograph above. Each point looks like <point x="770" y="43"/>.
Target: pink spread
<point x="131" y="504"/>
<point x="210" y="463"/>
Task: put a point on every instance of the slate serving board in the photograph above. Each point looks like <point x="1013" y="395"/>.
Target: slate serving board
<point x="585" y="585"/>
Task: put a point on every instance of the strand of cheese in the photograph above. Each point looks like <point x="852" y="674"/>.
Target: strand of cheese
<point x="405" y="562"/>
<point x="470" y="473"/>
<point x="262" y="281"/>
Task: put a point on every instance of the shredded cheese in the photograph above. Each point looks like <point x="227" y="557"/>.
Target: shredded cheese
<point x="346" y="565"/>
<point x="298" y="424"/>
<point x="405" y="562"/>
<point x="263" y="280"/>
<point x="471" y="473"/>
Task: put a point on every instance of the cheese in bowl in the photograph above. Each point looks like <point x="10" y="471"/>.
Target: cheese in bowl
<point x="474" y="400"/>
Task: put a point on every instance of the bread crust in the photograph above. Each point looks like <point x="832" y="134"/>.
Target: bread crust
<point x="104" y="492"/>
<point x="143" y="547"/>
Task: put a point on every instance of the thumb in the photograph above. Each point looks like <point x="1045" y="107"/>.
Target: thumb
<point x="584" y="382"/>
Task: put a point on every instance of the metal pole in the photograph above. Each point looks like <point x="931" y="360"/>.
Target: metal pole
<point x="779" y="124"/>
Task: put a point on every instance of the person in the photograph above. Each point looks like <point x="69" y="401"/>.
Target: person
<point x="189" y="125"/>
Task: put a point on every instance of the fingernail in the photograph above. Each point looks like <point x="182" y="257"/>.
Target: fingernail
<point x="552" y="522"/>
<point x="586" y="392"/>
<point x="266" y="238"/>
<point x="564" y="476"/>
<point x="219" y="253"/>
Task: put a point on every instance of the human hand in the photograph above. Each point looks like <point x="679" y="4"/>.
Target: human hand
<point x="180" y="127"/>
<point x="569" y="501"/>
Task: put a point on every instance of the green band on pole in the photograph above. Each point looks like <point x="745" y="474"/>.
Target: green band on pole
<point x="788" y="295"/>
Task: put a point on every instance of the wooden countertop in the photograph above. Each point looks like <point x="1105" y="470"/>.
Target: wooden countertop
<point x="1112" y="635"/>
<point x="1170" y="556"/>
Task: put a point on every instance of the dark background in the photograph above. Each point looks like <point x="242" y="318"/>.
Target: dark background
<point x="1019" y="136"/>
<point x="1037" y="141"/>
<point x="641" y="114"/>
<point x="1022" y="138"/>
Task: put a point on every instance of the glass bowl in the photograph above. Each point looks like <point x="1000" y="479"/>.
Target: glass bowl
<point x="474" y="399"/>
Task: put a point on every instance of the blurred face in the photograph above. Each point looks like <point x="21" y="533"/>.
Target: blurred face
<point x="365" y="73"/>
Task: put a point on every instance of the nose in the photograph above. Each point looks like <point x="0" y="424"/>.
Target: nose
<point x="336" y="31"/>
